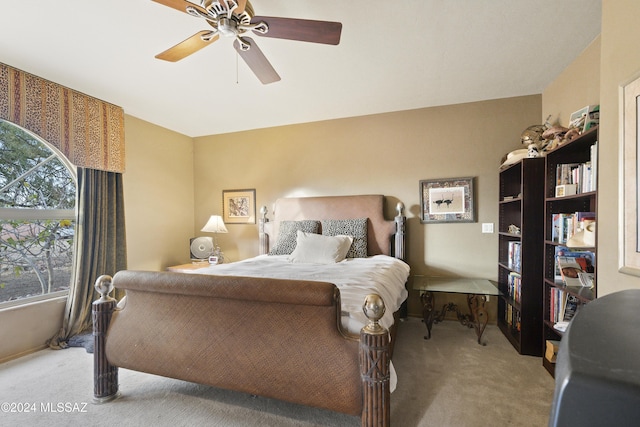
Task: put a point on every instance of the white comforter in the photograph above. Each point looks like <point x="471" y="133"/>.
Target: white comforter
<point x="355" y="277"/>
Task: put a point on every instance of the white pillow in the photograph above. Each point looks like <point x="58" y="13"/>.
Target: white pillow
<point x="318" y="249"/>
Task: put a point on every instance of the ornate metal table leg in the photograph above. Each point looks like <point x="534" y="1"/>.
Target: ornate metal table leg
<point x="479" y="314"/>
<point x="427" y="312"/>
<point x="464" y="319"/>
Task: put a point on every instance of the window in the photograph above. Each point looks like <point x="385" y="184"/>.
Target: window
<point x="37" y="217"/>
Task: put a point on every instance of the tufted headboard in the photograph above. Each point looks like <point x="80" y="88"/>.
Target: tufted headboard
<point x="383" y="236"/>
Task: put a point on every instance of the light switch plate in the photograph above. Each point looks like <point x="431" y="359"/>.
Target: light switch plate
<point x="487" y="227"/>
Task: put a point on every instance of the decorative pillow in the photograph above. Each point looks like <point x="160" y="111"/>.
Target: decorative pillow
<point x="286" y="242"/>
<point x="318" y="249"/>
<point x="356" y="228"/>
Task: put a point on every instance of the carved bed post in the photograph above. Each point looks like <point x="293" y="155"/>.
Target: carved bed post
<point x="264" y="237"/>
<point x="399" y="240"/>
<point x="105" y="375"/>
<point x="374" y="366"/>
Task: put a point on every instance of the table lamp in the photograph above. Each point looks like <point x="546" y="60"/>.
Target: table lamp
<point x="215" y="225"/>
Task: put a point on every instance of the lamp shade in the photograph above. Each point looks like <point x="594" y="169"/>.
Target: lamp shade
<point x="215" y="225"/>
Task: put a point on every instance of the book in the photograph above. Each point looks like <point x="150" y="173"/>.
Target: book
<point x="568" y="220"/>
<point x="514" y="255"/>
<point x="585" y="179"/>
<point x="561" y="326"/>
<point x="574" y="270"/>
<point x="514" y="286"/>
<point x="570" y="307"/>
<point x="512" y="317"/>
<point x="582" y="175"/>
<point x="551" y="352"/>
<point x="589" y="259"/>
<point x="564" y="173"/>
<point x="557" y="225"/>
<point x="556" y="304"/>
<point x="594" y="166"/>
<point x="565" y="225"/>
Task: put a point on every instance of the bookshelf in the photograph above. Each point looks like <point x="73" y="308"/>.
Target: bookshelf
<point x="565" y="214"/>
<point x="521" y="204"/>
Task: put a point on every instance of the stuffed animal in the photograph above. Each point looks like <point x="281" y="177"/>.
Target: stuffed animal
<point x="555" y="136"/>
<point x="533" y="151"/>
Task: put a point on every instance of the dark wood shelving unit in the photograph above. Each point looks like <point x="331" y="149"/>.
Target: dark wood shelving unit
<point x="521" y="204"/>
<point x="576" y="151"/>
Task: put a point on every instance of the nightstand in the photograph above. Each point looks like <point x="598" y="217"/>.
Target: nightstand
<point x="185" y="268"/>
<point x="476" y="290"/>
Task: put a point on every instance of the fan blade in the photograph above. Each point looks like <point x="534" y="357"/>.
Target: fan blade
<point x="187" y="47"/>
<point x="241" y="5"/>
<point x="305" y="30"/>
<point x="256" y="60"/>
<point x="180" y="5"/>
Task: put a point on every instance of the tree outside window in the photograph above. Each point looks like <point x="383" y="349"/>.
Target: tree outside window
<point x="37" y="216"/>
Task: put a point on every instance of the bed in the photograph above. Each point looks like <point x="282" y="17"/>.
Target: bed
<point x="225" y="325"/>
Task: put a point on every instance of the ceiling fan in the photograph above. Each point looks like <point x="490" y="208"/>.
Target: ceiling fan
<point x="235" y="18"/>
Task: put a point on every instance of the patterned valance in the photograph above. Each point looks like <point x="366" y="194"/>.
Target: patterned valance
<point x="88" y="131"/>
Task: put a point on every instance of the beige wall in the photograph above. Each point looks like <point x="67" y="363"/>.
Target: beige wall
<point x="158" y="191"/>
<point x="577" y="87"/>
<point x="595" y="78"/>
<point x="26" y="328"/>
<point x="620" y="60"/>
<point x="380" y="154"/>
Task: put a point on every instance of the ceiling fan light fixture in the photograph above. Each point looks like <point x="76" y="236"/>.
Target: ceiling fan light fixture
<point x="233" y="19"/>
<point x="197" y="13"/>
<point x="260" y="28"/>
<point x="207" y="37"/>
<point x="228" y="27"/>
<point x="217" y="9"/>
<point x="230" y="6"/>
<point x="244" y="45"/>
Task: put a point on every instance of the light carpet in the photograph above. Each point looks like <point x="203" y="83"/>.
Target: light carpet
<point x="448" y="380"/>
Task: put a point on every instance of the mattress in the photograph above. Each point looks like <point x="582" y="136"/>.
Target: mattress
<point x="355" y="278"/>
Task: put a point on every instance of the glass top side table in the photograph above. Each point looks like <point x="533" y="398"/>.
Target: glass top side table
<point x="477" y="291"/>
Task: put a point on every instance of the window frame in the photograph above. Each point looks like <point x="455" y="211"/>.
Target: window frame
<point x="42" y="214"/>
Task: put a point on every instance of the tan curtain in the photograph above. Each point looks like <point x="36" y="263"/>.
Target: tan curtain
<point x="88" y="131"/>
<point x="100" y="247"/>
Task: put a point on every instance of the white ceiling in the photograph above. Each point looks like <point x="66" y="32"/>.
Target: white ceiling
<point x="393" y="56"/>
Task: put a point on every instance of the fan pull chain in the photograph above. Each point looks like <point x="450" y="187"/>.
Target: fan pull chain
<point x="237" y="67"/>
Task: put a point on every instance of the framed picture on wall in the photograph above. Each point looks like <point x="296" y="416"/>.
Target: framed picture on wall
<point x="447" y="200"/>
<point x="239" y="206"/>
